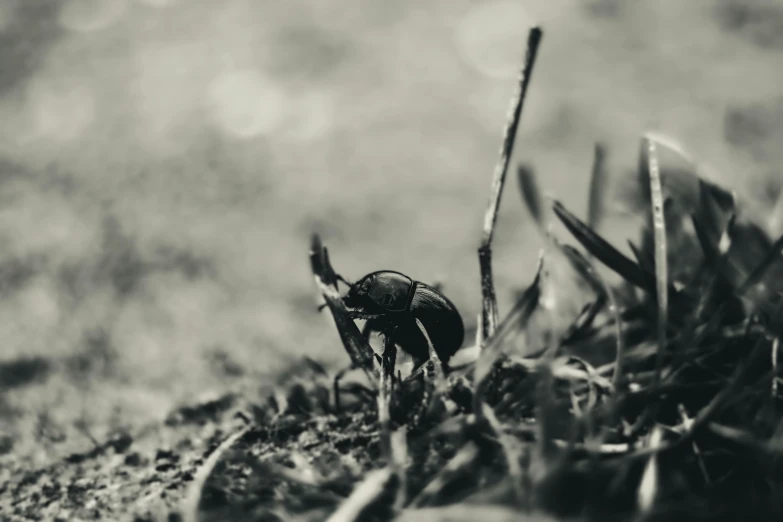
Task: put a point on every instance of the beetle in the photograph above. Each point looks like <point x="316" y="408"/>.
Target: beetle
<point x="391" y="302"/>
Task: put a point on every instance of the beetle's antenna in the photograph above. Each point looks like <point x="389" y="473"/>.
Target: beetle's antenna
<point x="489" y="301"/>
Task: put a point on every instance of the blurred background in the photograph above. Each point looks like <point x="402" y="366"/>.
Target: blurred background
<point x="164" y="162"/>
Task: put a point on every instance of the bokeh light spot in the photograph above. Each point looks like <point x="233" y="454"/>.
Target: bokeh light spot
<point x="60" y="109"/>
<point x="312" y="116"/>
<point x="245" y="103"/>
<point x="489" y="37"/>
<point x="90" y="15"/>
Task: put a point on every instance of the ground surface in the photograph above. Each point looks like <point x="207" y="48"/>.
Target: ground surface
<point x="163" y="164"/>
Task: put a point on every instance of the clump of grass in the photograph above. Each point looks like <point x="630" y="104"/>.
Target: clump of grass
<point x="659" y="401"/>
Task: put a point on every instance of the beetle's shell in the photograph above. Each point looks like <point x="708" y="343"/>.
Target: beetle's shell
<point x="441" y="320"/>
<point x="397" y="301"/>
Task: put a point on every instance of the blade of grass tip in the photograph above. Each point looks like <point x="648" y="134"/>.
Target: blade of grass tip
<point x="489" y="301"/>
<point x="190" y="506"/>
<point x="531" y="195"/>
<point x="357" y="347"/>
<point x="364" y="494"/>
<point x="600" y="248"/>
<point x="596" y="203"/>
<point x="671" y="144"/>
<point x="648" y="151"/>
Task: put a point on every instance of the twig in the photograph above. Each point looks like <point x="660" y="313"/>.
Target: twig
<point x="360" y="352"/>
<point x="489" y="301"/>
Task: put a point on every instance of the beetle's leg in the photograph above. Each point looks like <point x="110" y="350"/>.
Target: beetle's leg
<point x="358" y="314"/>
<point x="390" y="351"/>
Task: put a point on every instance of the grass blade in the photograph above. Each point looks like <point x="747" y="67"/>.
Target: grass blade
<point x="489" y="301"/>
<point x="648" y="151"/>
<point x="600" y="248"/>
<point x="595" y="205"/>
<point x="531" y="195"/>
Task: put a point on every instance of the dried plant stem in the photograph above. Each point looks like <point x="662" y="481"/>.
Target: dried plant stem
<point x="489" y="301"/>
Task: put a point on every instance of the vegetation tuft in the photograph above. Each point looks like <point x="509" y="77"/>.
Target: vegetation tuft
<point x="661" y="400"/>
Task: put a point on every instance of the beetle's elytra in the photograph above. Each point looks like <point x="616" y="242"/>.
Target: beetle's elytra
<point x="391" y="302"/>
